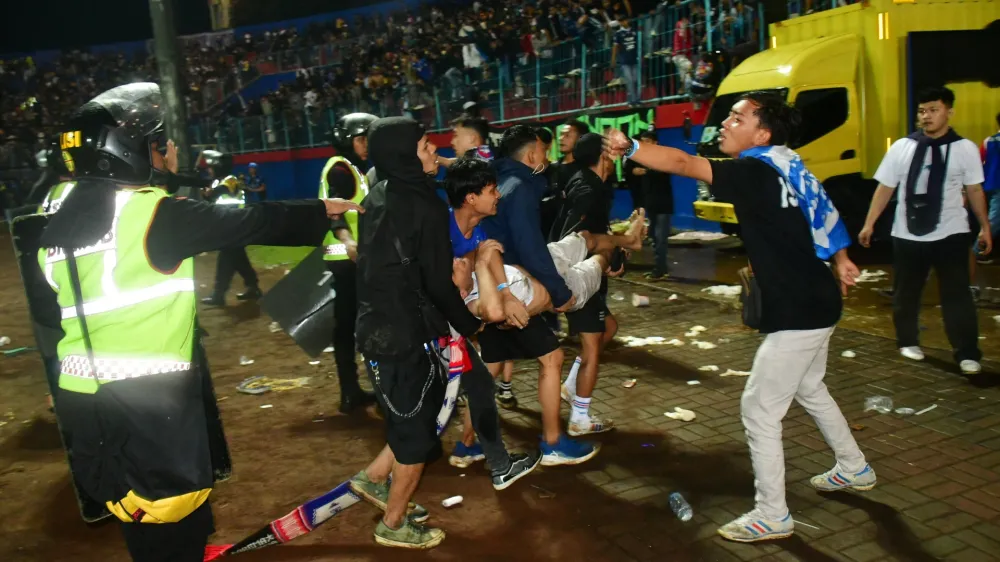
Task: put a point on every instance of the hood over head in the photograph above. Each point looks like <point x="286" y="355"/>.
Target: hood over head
<point x="392" y="149"/>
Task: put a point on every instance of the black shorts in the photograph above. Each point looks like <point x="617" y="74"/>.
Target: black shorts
<point x="183" y="541"/>
<point x="590" y="318"/>
<point x="400" y="382"/>
<point x="534" y="341"/>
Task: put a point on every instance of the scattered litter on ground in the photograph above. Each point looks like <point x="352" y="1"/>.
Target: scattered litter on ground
<point x="221" y="398"/>
<point x="629" y="383"/>
<point x="703" y="344"/>
<point x="316" y="362"/>
<point x="260" y="384"/>
<point x="708" y="368"/>
<point x="732" y="373"/>
<point x="871" y="276"/>
<point x="266" y="406"/>
<point x="724" y="340"/>
<point x="997" y="318"/>
<point x="618" y="296"/>
<point x="640" y="301"/>
<point x="4" y="340"/>
<point x="723" y="290"/>
<point x="274" y="327"/>
<point x="18" y="351"/>
<point x="881" y="404"/>
<point x="857" y="427"/>
<point x="925" y="410"/>
<point x="694" y="383"/>
<point x="849" y="354"/>
<point x="244" y="361"/>
<point x="461" y="475"/>
<point x="694" y="331"/>
<point x="632" y="341"/>
<point x="328" y="349"/>
<point x="904" y="411"/>
<point x="675" y="342"/>
<point x="672" y="297"/>
<point x="699" y="235"/>
<point x="680" y="414"/>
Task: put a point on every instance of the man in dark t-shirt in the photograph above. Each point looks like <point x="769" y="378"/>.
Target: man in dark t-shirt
<point x="785" y="219"/>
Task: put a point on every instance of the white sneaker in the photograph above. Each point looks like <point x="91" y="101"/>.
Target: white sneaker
<point x="912" y="352"/>
<point x="589" y="426"/>
<point x="753" y="527"/>
<point x="835" y="479"/>
<point x="970" y="367"/>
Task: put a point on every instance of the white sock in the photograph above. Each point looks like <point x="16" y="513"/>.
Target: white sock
<point x="581" y="410"/>
<point x="571" y="379"/>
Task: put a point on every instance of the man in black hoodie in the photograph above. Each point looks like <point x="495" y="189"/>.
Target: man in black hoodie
<point x="406" y="301"/>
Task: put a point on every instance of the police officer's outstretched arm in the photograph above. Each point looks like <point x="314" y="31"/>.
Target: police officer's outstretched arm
<point x="182" y="228"/>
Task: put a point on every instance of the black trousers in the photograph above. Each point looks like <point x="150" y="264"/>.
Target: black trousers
<point x="229" y="262"/>
<point x="479" y="389"/>
<point x="183" y="541"/>
<point x="345" y="314"/>
<point x="950" y="260"/>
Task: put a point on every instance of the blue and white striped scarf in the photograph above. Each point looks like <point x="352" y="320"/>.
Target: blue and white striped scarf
<point x="828" y="231"/>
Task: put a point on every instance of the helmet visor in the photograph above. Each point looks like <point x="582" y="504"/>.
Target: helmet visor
<point x="137" y="108"/>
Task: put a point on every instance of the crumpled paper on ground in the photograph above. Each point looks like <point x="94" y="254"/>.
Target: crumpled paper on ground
<point x="261" y="384"/>
<point x="723" y="290"/>
<point x="871" y="276"/>
<point x="680" y="414"/>
<point x="732" y="373"/>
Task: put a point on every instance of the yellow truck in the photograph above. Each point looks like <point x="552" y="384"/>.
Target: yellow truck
<point x="853" y="72"/>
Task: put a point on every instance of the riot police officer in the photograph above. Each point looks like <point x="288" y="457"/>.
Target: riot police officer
<point x="227" y="190"/>
<point x="134" y="392"/>
<point x="344" y="177"/>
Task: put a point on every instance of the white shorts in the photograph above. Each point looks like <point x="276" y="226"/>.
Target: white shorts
<point x="582" y="275"/>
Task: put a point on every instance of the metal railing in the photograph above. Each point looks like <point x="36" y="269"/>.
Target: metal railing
<point x="560" y="78"/>
<point x="798" y="8"/>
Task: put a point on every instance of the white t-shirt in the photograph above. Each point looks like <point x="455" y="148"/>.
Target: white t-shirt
<point x="520" y="286"/>
<point x="964" y="168"/>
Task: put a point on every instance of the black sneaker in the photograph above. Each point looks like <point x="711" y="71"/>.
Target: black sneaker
<point x="520" y="465"/>
<point x="251" y="294"/>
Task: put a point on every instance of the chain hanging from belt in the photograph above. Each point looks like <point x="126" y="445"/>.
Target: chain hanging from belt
<point x="434" y="359"/>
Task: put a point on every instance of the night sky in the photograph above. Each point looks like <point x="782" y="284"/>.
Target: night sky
<point x="30" y="25"/>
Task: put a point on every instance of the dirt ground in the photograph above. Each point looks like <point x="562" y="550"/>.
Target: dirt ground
<point x="282" y="456"/>
<point x="613" y="508"/>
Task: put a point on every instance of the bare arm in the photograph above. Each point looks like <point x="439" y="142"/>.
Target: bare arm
<point x="490" y="302"/>
<point x="879" y="200"/>
<point x="662" y="158"/>
<point x="977" y="200"/>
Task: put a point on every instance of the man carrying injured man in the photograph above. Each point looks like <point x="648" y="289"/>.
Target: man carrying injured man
<point x="472" y="193"/>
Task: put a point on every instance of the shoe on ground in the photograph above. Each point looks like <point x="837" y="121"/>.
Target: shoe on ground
<point x="753" y="527"/>
<point x="377" y="494"/>
<point x="970" y="367"/>
<point x="589" y="426"/>
<point x="352" y="402"/>
<point x="912" y="352"/>
<point x="837" y="479"/>
<point x="464" y="456"/>
<point x="214" y="300"/>
<point x="251" y="294"/>
<point x="568" y="451"/>
<point x="655" y="276"/>
<point x="520" y="465"/>
<point x="409" y="535"/>
<point x="506" y="399"/>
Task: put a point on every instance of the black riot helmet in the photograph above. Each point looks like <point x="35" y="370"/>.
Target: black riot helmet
<point x="110" y="136"/>
<point x="220" y="163"/>
<point x="350" y="126"/>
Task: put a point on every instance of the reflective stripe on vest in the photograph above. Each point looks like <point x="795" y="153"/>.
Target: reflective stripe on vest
<point x="55" y="197"/>
<point x="130" y="298"/>
<point x="119" y="369"/>
<point x="333" y="250"/>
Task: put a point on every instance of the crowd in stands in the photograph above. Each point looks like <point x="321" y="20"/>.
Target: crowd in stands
<point x="427" y="62"/>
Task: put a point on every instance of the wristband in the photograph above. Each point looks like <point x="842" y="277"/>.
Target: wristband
<point x="633" y="150"/>
<point x="502" y="286"/>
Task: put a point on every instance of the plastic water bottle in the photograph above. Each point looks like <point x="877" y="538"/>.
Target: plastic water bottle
<point x="681" y="507"/>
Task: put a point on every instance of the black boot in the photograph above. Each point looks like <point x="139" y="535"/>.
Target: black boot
<point x="251" y="294"/>
<point x="214" y="300"/>
<point x="355" y="400"/>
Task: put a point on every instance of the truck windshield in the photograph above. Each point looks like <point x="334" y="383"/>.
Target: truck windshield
<point x="708" y="145"/>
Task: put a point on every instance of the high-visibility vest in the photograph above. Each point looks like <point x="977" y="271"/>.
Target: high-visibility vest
<point x="54" y="198"/>
<point x="141" y="320"/>
<point x="234" y="196"/>
<point x="333" y="250"/>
